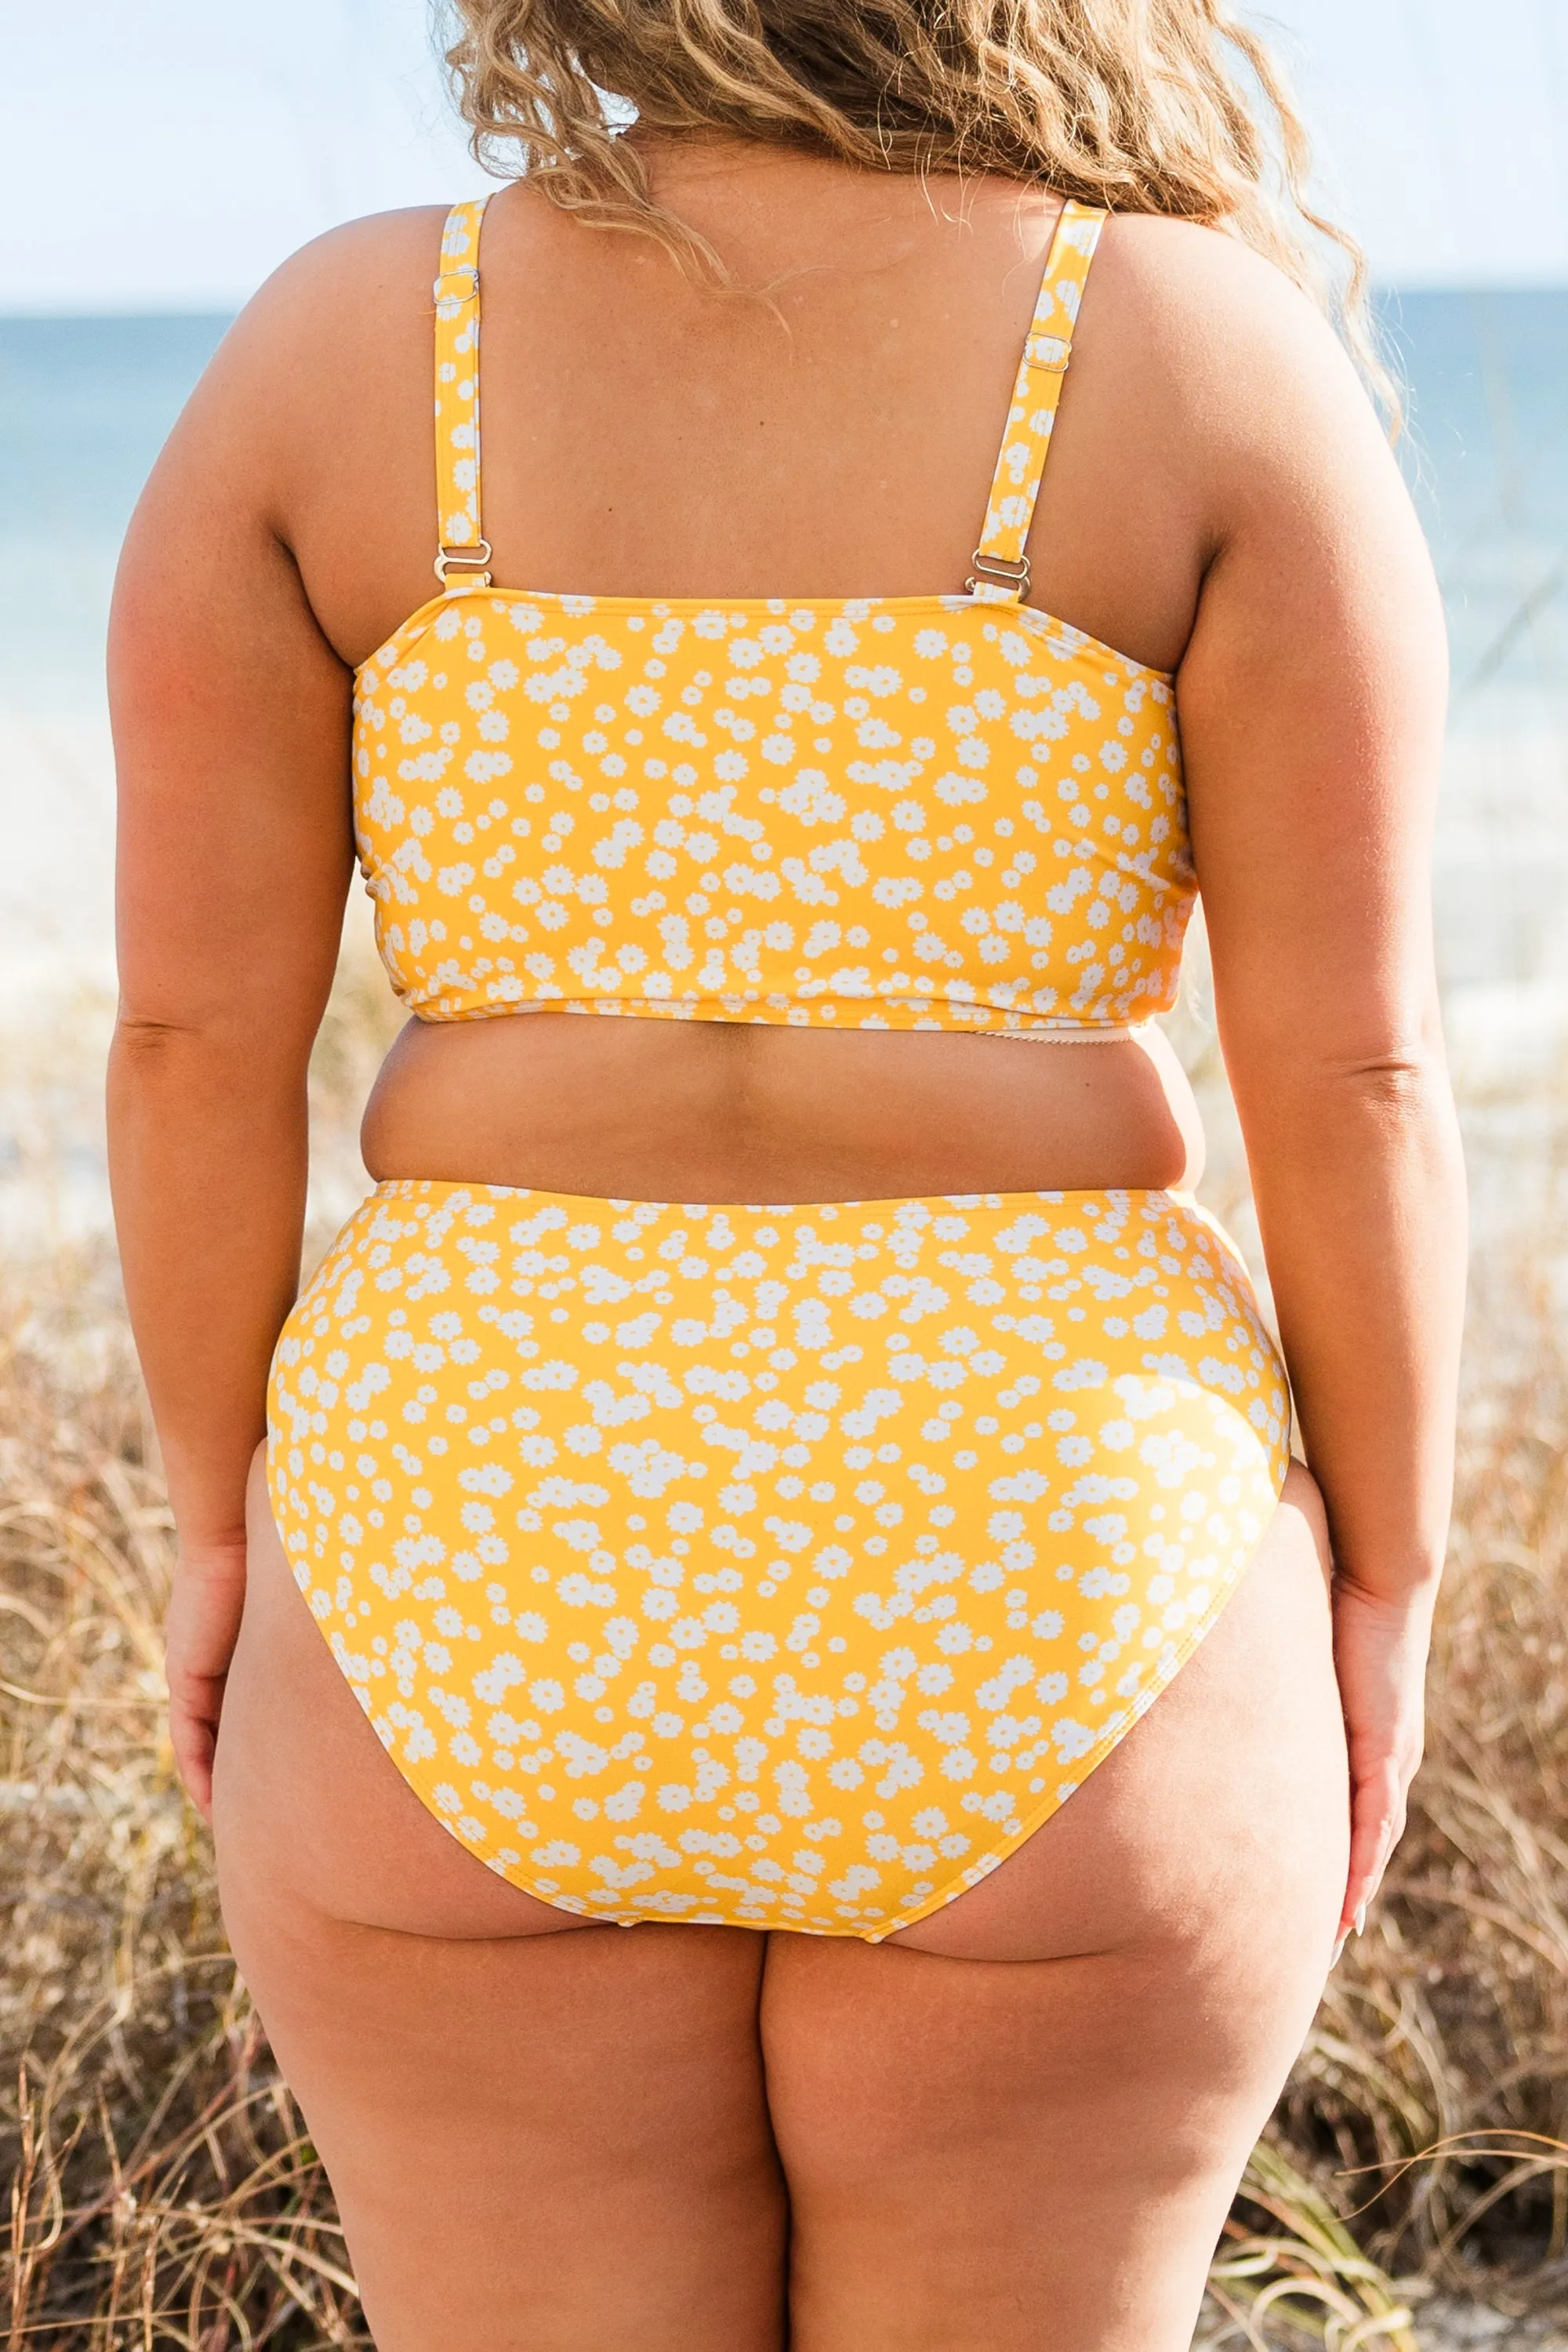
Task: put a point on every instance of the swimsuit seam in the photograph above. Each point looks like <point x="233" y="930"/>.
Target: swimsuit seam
<point x="422" y="618"/>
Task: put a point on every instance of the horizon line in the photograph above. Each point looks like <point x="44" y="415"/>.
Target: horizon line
<point x="229" y="307"/>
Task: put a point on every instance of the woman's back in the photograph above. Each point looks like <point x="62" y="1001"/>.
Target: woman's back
<point x="826" y="426"/>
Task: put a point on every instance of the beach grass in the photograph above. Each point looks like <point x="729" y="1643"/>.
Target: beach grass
<point x="163" y="2190"/>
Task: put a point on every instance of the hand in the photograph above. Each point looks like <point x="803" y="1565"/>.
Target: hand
<point x="1380" y="1658"/>
<point x="200" y="1633"/>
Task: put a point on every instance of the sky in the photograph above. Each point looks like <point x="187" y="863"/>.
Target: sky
<point x="167" y="155"/>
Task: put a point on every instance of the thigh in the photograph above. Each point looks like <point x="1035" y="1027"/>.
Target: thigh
<point x="539" y="2133"/>
<point x="1019" y="2124"/>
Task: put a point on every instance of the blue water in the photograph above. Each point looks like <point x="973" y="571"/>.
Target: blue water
<point x="1487" y="455"/>
<point x="85" y="403"/>
<point x="85" y="406"/>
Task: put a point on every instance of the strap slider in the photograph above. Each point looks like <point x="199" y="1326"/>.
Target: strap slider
<point x="457" y="285"/>
<point x="470" y="563"/>
<point x="1049" y="353"/>
<point x="1009" y="572"/>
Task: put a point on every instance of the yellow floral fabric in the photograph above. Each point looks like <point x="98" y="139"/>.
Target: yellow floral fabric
<point x="924" y="815"/>
<point x="773" y="1566"/>
<point x="939" y="812"/>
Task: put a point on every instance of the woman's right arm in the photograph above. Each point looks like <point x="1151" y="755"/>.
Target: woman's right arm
<point x="231" y="717"/>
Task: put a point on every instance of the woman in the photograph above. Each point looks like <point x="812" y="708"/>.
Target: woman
<point x="755" y="1459"/>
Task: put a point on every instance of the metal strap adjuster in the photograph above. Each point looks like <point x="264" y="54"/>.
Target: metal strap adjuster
<point x="1050" y="353"/>
<point x="1011" y="571"/>
<point x="473" y="561"/>
<point x="448" y="288"/>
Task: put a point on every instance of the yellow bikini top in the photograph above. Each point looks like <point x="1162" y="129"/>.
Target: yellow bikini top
<point x="942" y="812"/>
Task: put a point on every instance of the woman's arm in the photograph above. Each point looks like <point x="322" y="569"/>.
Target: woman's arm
<point x="231" y="717"/>
<point x="1312" y="701"/>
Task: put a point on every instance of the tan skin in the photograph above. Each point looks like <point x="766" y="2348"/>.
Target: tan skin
<point x="1018" y="2123"/>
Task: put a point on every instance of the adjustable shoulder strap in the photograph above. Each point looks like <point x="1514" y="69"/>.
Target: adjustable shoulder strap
<point x="464" y="552"/>
<point x="1000" y="574"/>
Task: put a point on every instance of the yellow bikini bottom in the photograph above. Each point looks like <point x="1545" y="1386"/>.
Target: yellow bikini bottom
<point x="781" y="1568"/>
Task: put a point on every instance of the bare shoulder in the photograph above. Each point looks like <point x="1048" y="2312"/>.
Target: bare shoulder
<point x="335" y="300"/>
<point x="353" y="270"/>
<point x="1247" y="371"/>
<point x="340" y="330"/>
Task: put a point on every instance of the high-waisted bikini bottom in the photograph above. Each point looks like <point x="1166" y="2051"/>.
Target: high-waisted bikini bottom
<point x="770" y="1567"/>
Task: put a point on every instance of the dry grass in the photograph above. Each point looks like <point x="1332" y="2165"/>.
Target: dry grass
<point x="163" y="2190"/>
<point x="1448" y="2030"/>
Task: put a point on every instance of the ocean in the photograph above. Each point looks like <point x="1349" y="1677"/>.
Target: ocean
<point x="85" y="403"/>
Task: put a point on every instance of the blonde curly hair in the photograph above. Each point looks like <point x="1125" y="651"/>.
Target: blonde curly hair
<point x="1147" y="106"/>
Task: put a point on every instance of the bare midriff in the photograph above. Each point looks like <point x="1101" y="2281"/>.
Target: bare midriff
<point x="627" y="1109"/>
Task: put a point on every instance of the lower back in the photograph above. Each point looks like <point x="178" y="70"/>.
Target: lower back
<point x="620" y="1109"/>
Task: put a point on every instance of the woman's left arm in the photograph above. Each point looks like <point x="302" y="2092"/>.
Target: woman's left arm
<point x="231" y="719"/>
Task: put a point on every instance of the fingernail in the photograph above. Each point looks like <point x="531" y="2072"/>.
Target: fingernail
<point x="1339" y="1948"/>
<point x="1360" y="1919"/>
